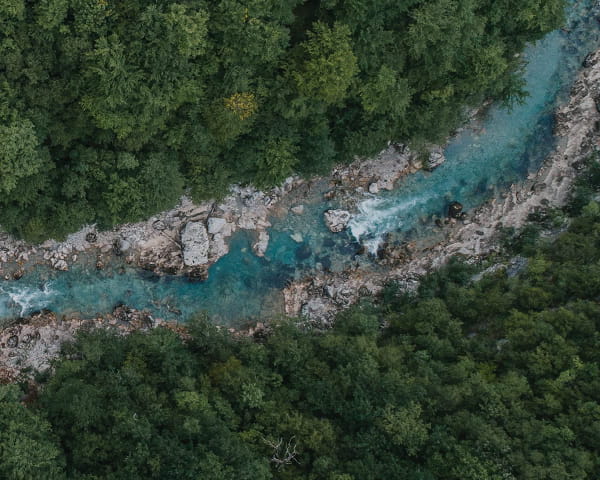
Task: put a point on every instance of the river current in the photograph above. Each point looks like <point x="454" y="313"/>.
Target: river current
<point x="481" y="161"/>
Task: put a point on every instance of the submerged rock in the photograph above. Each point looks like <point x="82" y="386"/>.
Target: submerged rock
<point x="195" y="244"/>
<point x="198" y="273"/>
<point x="298" y="209"/>
<point x="303" y="252"/>
<point x="337" y="220"/>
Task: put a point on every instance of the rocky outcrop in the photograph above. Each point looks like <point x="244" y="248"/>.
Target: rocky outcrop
<point x="373" y="174"/>
<point x="337" y="220"/>
<point x="318" y="299"/>
<point x="382" y="171"/>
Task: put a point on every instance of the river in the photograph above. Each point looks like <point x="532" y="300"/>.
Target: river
<point x="481" y="162"/>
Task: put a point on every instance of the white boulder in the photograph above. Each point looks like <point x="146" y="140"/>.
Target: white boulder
<point x="195" y="244"/>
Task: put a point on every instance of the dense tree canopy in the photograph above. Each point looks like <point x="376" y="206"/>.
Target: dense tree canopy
<point x="497" y="378"/>
<point x="110" y="109"/>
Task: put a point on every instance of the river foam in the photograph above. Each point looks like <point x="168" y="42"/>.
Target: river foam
<point x="377" y="216"/>
<point x="24" y="300"/>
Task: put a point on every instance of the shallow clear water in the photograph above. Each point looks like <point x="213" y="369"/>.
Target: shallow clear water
<point x="242" y="287"/>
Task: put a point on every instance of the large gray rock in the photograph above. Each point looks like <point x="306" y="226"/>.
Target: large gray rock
<point x="195" y="244"/>
<point x="337" y="220"/>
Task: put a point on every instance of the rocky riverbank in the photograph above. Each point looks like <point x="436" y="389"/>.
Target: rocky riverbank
<point x="30" y="344"/>
<point x="475" y="235"/>
<point x="189" y="238"/>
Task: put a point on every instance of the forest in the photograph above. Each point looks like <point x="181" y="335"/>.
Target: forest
<point x="465" y="379"/>
<point x="112" y="109"/>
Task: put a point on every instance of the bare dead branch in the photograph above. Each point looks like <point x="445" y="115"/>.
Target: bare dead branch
<point x="283" y="456"/>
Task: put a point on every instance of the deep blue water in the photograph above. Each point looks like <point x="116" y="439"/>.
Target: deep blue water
<point x="243" y="287"/>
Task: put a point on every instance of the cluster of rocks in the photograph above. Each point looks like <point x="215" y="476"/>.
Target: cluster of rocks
<point x="318" y="299"/>
<point x="198" y="235"/>
<point x="60" y="257"/>
<point x="370" y="176"/>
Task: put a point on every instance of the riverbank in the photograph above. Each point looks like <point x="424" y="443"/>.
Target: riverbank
<point x="30" y="344"/>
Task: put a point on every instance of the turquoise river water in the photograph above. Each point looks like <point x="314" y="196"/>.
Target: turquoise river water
<point x="481" y="162"/>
